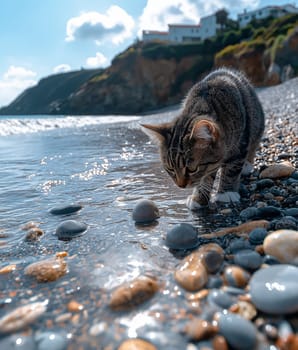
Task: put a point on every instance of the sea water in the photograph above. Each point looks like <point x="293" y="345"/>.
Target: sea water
<point x="106" y="164"/>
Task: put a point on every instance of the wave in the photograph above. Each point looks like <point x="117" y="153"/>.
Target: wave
<point x="14" y="126"/>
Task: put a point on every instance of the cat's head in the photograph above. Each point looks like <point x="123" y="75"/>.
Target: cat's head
<point x="188" y="153"/>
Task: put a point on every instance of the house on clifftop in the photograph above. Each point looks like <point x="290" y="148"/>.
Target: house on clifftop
<point x="265" y="12"/>
<point x="180" y="33"/>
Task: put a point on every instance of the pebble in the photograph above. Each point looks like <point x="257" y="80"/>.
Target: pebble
<point x="240" y="333"/>
<point x="70" y="229"/>
<point x="212" y="256"/>
<point x="248" y="259"/>
<point x="22" y="317"/>
<point x="283" y="245"/>
<point x="257" y="236"/>
<point x="51" y="340"/>
<point x="198" y="329"/>
<point x="264" y="183"/>
<point x="293" y="212"/>
<point x="133" y="293"/>
<point x="47" y="270"/>
<point x="74" y="306"/>
<point x="239" y="244"/>
<point x="268" y="212"/>
<point x="219" y="343"/>
<point x="183" y="236"/>
<point x="8" y="269"/>
<point x="276" y="171"/>
<point x="34" y="234"/>
<point x="192" y="274"/>
<point x="287" y="222"/>
<point x="145" y="212"/>
<point x="244" y="309"/>
<point x="66" y="209"/>
<point x="18" y="342"/>
<point x="235" y="276"/>
<point x="248" y="213"/>
<point x="220" y="298"/>
<point x="274" y="289"/>
<point x="136" y="344"/>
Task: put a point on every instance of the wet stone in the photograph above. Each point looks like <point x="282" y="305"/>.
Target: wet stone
<point x="283" y="245"/>
<point x="212" y="256"/>
<point x="214" y="282"/>
<point x="257" y="236"/>
<point x="270" y="260"/>
<point x="268" y="212"/>
<point x="47" y="270"/>
<point x="133" y="293"/>
<point x="220" y="298"/>
<point x="18" y="342"/>
<point x="276" y="171"/>
<point x="293" y="212"/>
<point x="248" y="259"/>
<point x="265" y="183"/>
<point x="136" y="344"/>
<point x="248" y="213"/>
<point x="235" y="276"/>
<point x="274" y="289"/>
<point x="239" y="244"/>
<point x="183" y="236"/>
<point x="244" y="309"/>
<point x="240" y="333"/>
<point x="34" y="234"/>
<point x="70" y="229"/>
<point x="145" y="212"/>
<point x="21" y="317"/>
<point x="51" y="340"/>
<point x="66" y="209"/>
<point x="198" y="329"/>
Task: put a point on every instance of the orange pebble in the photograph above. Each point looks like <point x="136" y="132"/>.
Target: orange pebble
<point x="7" y="269"/>
<point x="74" y="306"/>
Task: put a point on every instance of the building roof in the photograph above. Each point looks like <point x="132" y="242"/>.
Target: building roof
<point x="264" y="8"/>
<point x="155" y="32"/>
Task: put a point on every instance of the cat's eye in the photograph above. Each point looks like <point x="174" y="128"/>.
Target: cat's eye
<point x="191" y="170"/>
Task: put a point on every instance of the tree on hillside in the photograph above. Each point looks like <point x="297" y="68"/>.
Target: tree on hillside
<point x="221" y="18"/>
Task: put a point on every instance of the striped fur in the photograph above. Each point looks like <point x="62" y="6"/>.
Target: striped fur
<point x="217" y="131"/>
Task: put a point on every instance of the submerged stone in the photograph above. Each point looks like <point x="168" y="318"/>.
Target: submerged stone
<point x="66" y="209"/>
<point x="70" y="229"/>
<point x="145" y="212"/>
<point x="183" y="236"/>
<point x="274" y="289"/>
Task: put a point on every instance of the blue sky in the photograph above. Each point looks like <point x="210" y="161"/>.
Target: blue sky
<point x="39" y="38"/>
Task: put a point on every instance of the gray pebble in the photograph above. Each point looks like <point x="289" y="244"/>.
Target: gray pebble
<point x="240" y="333"/>
<point x="274" y="289"/>
<point x="239" y="244"/>
<point x="145" y="212"/>
<point x="287" y="222"/>
<point x="248" y="213"/>
<point x="257" y="236"/>
<point x="214" y="282"/>
<point x="248" y="259"/>
<point x="220" y="298"/>
<point x="270" y="260"/>
<point x="66" y="209"/>
<point x="265" y="183"/>
<point x="51" y="340"/>
<point x="70" y="229"/>
<point x="291" y="212"/>
<point x="268" y="212"/>
<point x="295" y="175"/>
<point x="183" y="236"/>
<point x="18" y="342"/>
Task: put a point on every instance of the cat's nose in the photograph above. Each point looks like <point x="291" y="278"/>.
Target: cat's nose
<point x="181" y="182"/>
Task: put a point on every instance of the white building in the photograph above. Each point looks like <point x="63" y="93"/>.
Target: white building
<point x="185" y="32"/>
<point x="274" y="11"/>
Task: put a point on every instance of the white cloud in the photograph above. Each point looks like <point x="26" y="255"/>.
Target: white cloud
<point x="185" y="11"/>
<point x="13" y="82"/>
<point x="98" y="61"/>
<point x="62" y="68"/>
<point x="115" y="25"/>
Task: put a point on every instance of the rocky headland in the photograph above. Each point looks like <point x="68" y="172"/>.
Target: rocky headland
<point x="153" y="75"/>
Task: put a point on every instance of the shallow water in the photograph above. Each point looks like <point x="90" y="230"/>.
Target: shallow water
<point x="106" y="166"/>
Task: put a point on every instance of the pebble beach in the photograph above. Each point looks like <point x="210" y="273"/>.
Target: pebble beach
<point x="110" y="258"/>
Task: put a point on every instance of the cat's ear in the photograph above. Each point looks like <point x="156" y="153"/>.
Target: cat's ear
<point x="157" y="133"/>
<point x="205" y="131"/>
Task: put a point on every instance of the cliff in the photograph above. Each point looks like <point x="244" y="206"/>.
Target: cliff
<point x="152" y="75"/>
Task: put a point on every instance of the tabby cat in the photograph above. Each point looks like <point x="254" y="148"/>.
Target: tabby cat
<point x="215" y="136"/>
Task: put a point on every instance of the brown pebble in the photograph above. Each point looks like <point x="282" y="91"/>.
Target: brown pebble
<point x="236" y="276"/>
<point x="244" y="309"/>
<point x="212" y="256"/>
<point x="61" y="255"/>
<point x="29" y="225"/>
<point x="276" y="171"/>
<point x="288" y="343"/>
<point x="63" y="317"/>
<point x="198" y="329"/>
<point x="219" y="343"/>
<point x="136" y="344"/>
<point x="202" y="294"/>
<point x="21" y="317"/>
<point x="74" y="306"/>
<point x="8" y="269"/>
<point x="192" y="274"/>
<point x="133" y="293"/>
<point x="47" y="270"/>
<point x="34" y="234"/>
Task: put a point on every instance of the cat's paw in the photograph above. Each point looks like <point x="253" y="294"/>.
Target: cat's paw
<point x="192" y="204"/>
<point x="227" y="197"/>
<point x="247" y="168"/>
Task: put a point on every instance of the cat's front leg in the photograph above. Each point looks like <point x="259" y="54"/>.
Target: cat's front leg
<point x="201" y="194"/>
<point x="229" y="182"/>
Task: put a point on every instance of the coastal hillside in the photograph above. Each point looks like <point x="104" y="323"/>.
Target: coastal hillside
<point x="150" y="75"/>
<point x="48" y="94"/>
